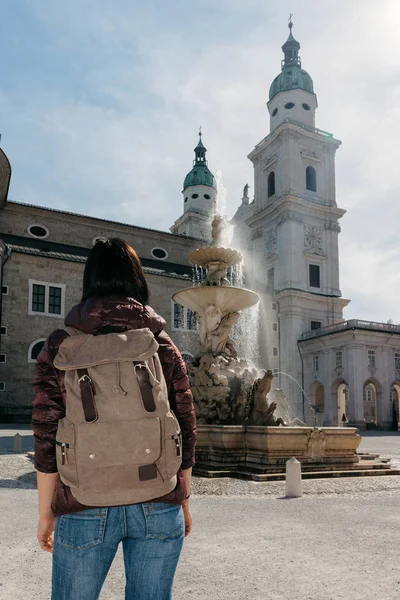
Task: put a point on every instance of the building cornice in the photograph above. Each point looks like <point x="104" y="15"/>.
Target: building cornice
<point x="14" y="204"/>
<point x="353" y="325"/>
<point x="293" y="293"/>
<point x="290" y="125"/>
<point x="286" y="208"/>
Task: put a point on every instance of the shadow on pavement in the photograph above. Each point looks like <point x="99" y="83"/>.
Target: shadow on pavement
<point x="26" y="482"/>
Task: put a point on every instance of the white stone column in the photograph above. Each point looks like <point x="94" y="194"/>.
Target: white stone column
<point x="355" y="383"/>
<point x="383" y="376"/>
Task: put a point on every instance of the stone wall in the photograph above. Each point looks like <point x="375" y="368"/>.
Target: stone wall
<point x="23" y="329"/>
<point x="78" y="230"/>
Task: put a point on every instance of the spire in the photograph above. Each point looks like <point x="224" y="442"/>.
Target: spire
<point x="200" y="152"/>
<point x="200" y="174"/>
<point x="291" y="48"/>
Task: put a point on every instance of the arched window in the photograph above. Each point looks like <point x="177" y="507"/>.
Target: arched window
<point x="311" y="179"/>
<point x="271" y="184"/>
<point x="370" y="411"/>
<point x="187" y="356"/>
<point x="35" y="349"/>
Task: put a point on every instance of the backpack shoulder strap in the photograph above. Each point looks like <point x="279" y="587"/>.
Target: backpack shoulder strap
<point x="85" y="384"/>
<point x="72" y="331"/>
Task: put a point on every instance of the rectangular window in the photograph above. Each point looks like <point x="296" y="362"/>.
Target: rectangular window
<point x="316" y="363"/>
<point x="46" y="299"/>
<point x="3" y="330"/>
<point x="191" y="320"/>
<point x="315" y="325"/>
<point x="314" y="272"/>
<point x="178" y="316"/>
<point x="38" y="298"/>
<point x="275" y="351"/>
<point x="4" y="290"/>
<point x="371" y="358"/>
<point x="183" y="318"/>
<point x="274" y="326"/>
<point x="54" y="300"/>
<point x="274" y="307"/>
<point x="397" y="361"/>
<point x="3" y="358"/>
<point x="2" y="386"/>
<point x="339" y="360"/>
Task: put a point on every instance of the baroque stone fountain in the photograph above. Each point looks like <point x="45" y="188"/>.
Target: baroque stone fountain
<point x="226" y="389"/>
<point x="242" y="431"/>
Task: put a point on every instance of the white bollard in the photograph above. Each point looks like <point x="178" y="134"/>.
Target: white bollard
<point x="294" y="485"/>
<point x="17" y="443"/>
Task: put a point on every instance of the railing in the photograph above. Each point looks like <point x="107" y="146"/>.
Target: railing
<point x="352" y="324"/>
<point x="299" y="124"/>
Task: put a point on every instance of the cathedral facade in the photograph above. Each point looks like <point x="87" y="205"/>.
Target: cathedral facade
<point x="333" y="371"/>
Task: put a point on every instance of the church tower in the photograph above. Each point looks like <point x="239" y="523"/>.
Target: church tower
<point x="293" y="227"/>
<point x="199" y="198"/>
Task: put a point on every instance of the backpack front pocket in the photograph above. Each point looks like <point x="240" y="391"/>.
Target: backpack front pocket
<point x="119" y="443"/>
<point x="65" y="453"/>
<point x="173" y="445"/>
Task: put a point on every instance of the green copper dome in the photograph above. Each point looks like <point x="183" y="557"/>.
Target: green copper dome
<point x="290" y="79"/>
<point x="200" y="174"/>
<point x="292" y="76"/>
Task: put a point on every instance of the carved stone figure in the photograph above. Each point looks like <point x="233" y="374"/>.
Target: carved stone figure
<point x="316" y="444"/>
<point x="246" y="191"/>
<point x="217" y="230"/>
<point x="260" y="412"/>
<point x="216" y="274"/>
<point x="209" y="321"/>
<point x="219" y="341"/>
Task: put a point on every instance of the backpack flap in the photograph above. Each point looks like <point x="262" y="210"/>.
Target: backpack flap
<point x="86" y="350"/>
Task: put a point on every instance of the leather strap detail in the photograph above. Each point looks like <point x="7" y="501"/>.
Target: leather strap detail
<point x="146" y="389"/>
<point x="87" y="395"/>
<point x="148" y="472"/>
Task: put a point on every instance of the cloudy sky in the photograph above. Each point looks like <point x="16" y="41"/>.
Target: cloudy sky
<point x="100" y="103"/>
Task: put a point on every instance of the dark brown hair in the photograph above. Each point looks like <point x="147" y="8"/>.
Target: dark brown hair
<point x="114" y="268"/>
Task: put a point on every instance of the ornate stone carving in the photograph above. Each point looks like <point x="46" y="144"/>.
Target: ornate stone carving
<point x="256" y="234"/>
<point x="312" y="236"/>
<point x="215" y="331"/>
<point x="290" y="215"/>
<point x="260" y="411"/>
<point x="316" y="444"/>
<point x="332" y="226"/>
<point x="269" y="163"/>
<point x="271" y="242"/>
<point x="218" y="228"/>
<point x="308" y="155"/>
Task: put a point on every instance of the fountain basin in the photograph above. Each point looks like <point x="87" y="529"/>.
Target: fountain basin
<point x="226" y="299"/>
<point x="205" y="256"/>
<point x="251" y="451"/>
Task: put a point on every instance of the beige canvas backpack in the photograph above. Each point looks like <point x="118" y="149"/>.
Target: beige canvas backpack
<point x="119" y="442"/>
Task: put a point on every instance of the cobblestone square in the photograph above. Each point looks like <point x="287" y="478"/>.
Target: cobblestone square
<point x="339" y="541"/>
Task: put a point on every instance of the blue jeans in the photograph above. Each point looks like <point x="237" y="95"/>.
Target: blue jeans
<point x="86" y="542"/>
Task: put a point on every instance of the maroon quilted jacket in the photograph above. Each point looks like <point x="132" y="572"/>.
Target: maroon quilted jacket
<point x="97" y="316"/>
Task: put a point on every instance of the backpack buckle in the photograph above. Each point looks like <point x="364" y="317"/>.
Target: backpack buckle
<point x="84" y="378"/>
